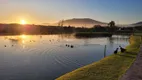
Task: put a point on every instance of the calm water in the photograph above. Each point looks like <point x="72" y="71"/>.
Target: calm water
<point x="46" y="57"/>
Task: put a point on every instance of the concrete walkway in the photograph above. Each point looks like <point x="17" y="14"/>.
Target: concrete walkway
<point x="135" y="71"/>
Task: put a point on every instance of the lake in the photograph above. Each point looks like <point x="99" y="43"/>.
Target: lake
<point x="46" y="57"/>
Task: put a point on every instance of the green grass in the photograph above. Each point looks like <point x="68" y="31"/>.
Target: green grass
<point x="109" y="68"/>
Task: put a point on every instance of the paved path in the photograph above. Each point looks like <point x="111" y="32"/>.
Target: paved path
<point x="135" y="71"/>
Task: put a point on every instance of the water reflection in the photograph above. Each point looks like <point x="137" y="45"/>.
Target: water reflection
<point x="86" y="42"/>
<point x="46" y="57"/>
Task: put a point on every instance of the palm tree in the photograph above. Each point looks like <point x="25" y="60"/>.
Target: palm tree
<point x="112" y="26"/>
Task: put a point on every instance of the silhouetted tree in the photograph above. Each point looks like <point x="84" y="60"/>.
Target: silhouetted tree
<point x="61" y="23"/>
<point x="112" y="26"/>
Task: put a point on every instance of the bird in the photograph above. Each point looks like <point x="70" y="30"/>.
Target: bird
<point x="33" y="40"/>
<point x="116" y="51"/>
<point x="4" y="45"/>
<point x="122" y="49"/>
<point x="72" y="46"/>
<point x="12" y="45"/>
<point x="68" y="45"/>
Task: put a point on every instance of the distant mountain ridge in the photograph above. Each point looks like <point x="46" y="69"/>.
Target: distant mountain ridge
<point x="82" y="22"/>
<point x="138" y="24"/>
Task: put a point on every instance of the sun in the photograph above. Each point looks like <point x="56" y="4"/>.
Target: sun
<point x="23" y="22"/>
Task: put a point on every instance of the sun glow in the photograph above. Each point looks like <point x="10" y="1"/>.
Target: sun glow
<point x="23" y="22"/>
<point x="23" y="36"/>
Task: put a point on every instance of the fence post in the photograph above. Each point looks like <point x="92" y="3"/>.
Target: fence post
<point x="105" y="51"/>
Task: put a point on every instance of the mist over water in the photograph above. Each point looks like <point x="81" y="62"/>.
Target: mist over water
<point x="46" y="57"/>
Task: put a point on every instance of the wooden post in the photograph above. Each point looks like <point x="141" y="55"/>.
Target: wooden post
<point x="105" y="51"/>
<point x="141" y="39"/>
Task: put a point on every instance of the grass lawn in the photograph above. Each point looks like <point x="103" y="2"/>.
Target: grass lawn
<point x="109" y="68"/>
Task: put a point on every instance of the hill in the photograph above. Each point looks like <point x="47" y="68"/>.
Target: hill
<point x="81" y="22"/>
<point x="138" y="24"/>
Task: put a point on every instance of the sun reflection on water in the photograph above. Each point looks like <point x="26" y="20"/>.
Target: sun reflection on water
<point x="23" y="40"/>
<point x="23" y="36"/>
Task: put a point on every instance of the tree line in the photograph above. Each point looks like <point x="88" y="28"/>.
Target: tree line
<point x="15" y="29"/>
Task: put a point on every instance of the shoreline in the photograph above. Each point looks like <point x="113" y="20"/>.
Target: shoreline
<point x="109" y="68"/>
